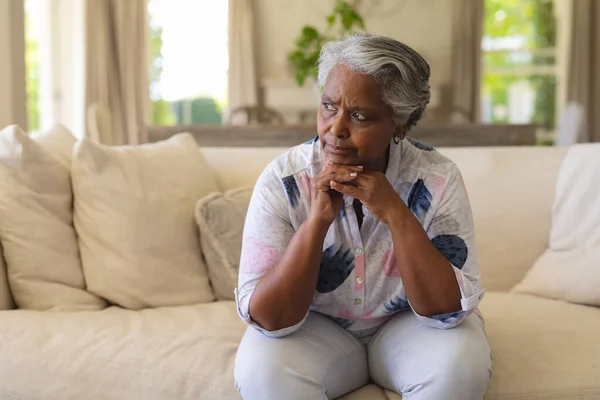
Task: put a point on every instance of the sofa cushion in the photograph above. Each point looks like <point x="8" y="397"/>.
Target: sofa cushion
<point x="6" y="300"/>
<point x="570" y="269"/>
<point x="512" y="212"/>
<point x="220" y="217"/>
<point x="154" y="354"/>
<point x="134" y="213"/>
<point x="36" y="222"/>
<point x="541" y="348"/>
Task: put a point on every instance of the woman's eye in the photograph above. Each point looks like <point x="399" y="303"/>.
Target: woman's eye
<point x="328" y="107"/>
<point x="359" y="117"/>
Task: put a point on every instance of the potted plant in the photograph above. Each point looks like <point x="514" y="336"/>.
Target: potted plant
<point x="342" y="22"/>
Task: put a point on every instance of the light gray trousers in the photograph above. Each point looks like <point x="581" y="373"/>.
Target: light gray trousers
<point x="323" y="361"/>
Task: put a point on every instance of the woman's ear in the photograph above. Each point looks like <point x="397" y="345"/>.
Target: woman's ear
<point x="400" y="132"/>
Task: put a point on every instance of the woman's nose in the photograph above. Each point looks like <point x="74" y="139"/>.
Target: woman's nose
<point x="339" y="128"/>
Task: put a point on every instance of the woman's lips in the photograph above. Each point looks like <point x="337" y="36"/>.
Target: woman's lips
<point x="339" y="150"/>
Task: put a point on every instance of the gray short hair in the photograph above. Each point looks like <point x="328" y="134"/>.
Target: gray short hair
<point x="402" y="72"/>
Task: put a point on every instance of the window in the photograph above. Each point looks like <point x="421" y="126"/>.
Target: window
<point x="189" y="61"/>
<point x="33" y="24"/>
<point x="519" y="63"/>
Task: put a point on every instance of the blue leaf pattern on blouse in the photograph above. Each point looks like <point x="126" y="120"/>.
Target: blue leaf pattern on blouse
<point x="343" y="212"/>
<point x="449" y="317"/>
<point x="453" y="248"/>
<point x="291" y="189"/>
<point x="336" y="266"/>
<point x="419" y="199"/>
<point x="396" y="304"/>
<point x="420" y="145"/>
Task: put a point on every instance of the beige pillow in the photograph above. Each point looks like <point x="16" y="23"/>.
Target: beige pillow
<point x="134" y="213"/>
<point x="36" y="230"/>
<point x="6" y="301"/>
<point x="570" y="269"/>
<point x="221" y="217"/>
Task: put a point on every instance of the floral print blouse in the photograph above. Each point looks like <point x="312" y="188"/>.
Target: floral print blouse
<point x="359" y="285"/>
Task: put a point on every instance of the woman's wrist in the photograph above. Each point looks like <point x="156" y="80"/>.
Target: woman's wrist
<point x="317" y="226"/>
<point x="399" y="216"/>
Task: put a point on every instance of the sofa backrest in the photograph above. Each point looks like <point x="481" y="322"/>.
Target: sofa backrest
<point x="511" y="190"/>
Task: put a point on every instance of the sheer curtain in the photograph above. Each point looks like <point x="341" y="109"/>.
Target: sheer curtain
<point x="116" y="71"/>
<point x="243" y="84"/>
<point x="467" y="31"/>
<point x="583" y="64"/>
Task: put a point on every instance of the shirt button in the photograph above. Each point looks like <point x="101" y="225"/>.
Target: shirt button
<point x="359" y="280"/>
<point x="357" y="302"/>
<point x="359" y="250"/>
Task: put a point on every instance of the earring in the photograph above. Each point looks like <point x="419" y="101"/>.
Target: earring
<point x="396" y="139"/>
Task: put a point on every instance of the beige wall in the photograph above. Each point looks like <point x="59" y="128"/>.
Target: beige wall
<point x="422" y="24"/>
<point x="12" y="66"/>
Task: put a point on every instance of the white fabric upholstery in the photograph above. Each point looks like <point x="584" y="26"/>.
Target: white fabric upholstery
<point x="188" y="352"/>
<point x="221" y="217"/>
<point x="511" y="192"/>
<point x="116" y="354"/>
<point x="542" y="349"/>
<point x="134" y="213"/>
<point x="239" y="166"/>
<point x="6" y="301"/>
<point x="36" y="222"/>
<point x="570" y="269"/>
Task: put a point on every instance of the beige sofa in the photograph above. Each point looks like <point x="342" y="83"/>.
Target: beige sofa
<point x="542" y="349"/>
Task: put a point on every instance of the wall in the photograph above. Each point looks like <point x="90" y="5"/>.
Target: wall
<point x="422" y="24"/>
<point x="12" y="66"/>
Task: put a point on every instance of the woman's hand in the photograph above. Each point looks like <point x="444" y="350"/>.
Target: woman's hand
<point x="375" y="192"/>
<point x="327" y="203"/>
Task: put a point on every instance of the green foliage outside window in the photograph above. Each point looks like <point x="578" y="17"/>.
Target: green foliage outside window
<point x="199" y="110"/>
<point x="534" y="20"/>
<point x="32" y="76"/>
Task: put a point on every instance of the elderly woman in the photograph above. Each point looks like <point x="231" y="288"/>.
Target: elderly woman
<point x="358" y="254"/>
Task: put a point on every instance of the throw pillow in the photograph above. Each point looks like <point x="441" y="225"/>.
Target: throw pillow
<point x="221" y="217"/>
<point x="570" y="269"/>
<point x="134" y="213"/>
<point x="6" y="301"/>
<point x="36" y="223"/>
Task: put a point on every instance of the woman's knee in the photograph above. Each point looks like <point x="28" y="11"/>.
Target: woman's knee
<point x="462" y="368"/>
<point x="270" y="372"/>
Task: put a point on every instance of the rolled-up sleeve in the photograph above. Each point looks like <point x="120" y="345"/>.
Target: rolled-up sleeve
<point x="267" y="233"/>
<point x="452" y="232"/>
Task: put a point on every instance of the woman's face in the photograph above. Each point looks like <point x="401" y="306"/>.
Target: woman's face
<point x="355" y="126"/>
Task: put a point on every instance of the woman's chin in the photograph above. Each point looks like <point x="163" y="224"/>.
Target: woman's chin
<point x="340" y="159"/>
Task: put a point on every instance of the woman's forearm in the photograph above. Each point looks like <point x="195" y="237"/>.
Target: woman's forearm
<point x="428" y="277"/>
<point x="284" y="293"/>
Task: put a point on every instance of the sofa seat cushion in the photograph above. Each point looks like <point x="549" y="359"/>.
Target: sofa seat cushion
<point x="541" y="348"/>
<point x="115" y="354"/>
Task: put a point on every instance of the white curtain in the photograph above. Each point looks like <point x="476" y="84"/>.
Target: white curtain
<point x="116" y="70"/>
<point x="467" y="31"/>
<point x="243" y="84"/>
<point x="583" y="65"/>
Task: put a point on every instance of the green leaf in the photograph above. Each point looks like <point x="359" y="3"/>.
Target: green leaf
<point x="296" y="57"/>
<point x="310" y="32"/>
<point x="331" y="19"/>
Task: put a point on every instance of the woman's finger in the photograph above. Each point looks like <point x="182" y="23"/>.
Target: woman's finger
<point x="330" y="165"/>
<point x="355" y="191"/>
<point x="323" y="178"/>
